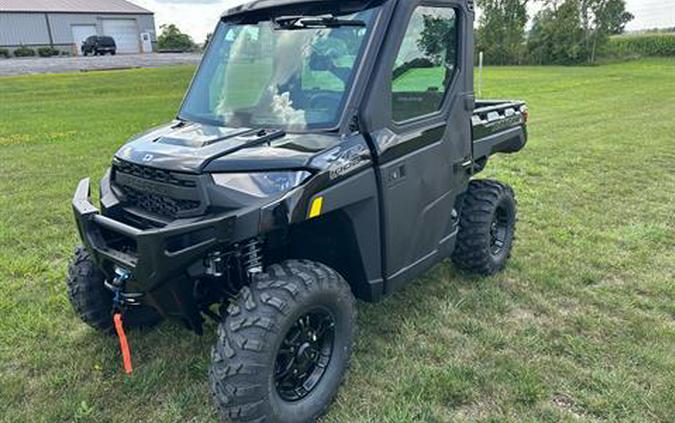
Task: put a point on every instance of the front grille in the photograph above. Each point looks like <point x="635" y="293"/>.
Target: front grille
<point x="157" y="195"/>
<point x="151" y="174"/>
<point x="159" y="204"/>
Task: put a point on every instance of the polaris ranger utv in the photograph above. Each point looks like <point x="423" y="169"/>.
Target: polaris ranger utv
<point x="324" y="152"/>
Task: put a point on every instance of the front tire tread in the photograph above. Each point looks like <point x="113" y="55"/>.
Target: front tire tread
<point x="248" y="333"/>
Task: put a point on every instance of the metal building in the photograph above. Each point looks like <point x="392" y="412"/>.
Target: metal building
<point x="65" y="24"/>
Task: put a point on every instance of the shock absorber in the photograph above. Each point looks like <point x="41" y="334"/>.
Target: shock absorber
<point x="252" y="257"/>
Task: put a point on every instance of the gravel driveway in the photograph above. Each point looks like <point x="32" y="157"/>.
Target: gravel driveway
<point x="74" y="64"/>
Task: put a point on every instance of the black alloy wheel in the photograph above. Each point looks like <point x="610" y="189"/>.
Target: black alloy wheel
<point x="499" y="230"/>
<point x="304" y="355"/>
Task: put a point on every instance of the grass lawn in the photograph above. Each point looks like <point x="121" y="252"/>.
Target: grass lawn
<point x="581" y="326"/>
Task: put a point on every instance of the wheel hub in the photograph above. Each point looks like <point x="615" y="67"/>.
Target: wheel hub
<point x="499" y="231"/>
<point x="304" y="355"/>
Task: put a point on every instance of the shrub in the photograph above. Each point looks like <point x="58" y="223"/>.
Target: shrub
<point x="24" y="52"/>
<point x="172" y="39"/>
<point x="48" y="52"/>
<point x="649" y="45"/>
<point x="4" y="53"/>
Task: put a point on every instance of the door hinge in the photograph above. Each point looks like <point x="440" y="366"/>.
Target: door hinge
<point x="470" y="103"/>
<point x="354" y="124"/>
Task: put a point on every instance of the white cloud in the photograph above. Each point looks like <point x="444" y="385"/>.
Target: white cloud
<point x="196" y="18"/>
<point x="651" y="14"/>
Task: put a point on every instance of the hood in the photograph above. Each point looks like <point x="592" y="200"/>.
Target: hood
<point x="197" y="148"/>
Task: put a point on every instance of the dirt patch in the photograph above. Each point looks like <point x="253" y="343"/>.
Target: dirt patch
<point x="566" y="403"/>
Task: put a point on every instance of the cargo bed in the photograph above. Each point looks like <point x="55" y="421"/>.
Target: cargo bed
<point x="499" y="126"/>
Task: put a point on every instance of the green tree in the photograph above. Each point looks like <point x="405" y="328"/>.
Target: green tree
<point x="172" y="38"/>
<point x="439" y="43"/>
<point x="501" y="31"/>
<point x="602" y="18"/>
<point x="557" y="36"/>
<point x="438" y="35"/>
<point x="570" y="32"/>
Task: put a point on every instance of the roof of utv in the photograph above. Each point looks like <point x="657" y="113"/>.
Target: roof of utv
<point x="264" y="9"/>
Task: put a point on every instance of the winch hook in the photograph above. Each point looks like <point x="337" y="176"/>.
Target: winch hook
<point x="121" y="277"/>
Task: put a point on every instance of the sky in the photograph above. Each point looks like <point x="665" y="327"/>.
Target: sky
<point x="199" y="17"/>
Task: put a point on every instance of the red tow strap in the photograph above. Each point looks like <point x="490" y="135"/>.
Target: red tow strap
<point x="124" y="345"/>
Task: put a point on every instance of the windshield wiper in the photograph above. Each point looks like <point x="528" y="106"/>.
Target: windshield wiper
<point x="299" y="22"/>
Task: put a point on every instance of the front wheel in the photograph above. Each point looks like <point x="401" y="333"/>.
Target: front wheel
<point x="283" y="350"/>
<point x="486" y="229"/>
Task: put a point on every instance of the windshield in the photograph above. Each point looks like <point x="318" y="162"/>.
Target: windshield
<point x="293" y="73"/>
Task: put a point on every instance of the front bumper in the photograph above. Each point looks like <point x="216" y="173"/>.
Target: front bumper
<point x="164" y="258"/>
<point x="156" y="254"/>
<point x="158" y="259"/>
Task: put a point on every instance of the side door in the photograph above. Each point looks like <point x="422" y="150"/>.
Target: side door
<point x="419" y="122"/>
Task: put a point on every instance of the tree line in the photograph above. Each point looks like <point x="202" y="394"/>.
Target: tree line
<point x="563" y="32"/>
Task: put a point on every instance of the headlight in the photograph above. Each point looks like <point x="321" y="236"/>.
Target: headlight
<point x="261" y="184"/>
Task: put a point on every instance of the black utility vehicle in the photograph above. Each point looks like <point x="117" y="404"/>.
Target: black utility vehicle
<point x="324" y="152"/>
<point x="99" y="45"/>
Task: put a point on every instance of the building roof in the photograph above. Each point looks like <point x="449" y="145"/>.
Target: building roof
<point x="72" y="6"/>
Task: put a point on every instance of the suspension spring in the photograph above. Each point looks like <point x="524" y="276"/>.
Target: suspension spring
<point x="252" y="260"/>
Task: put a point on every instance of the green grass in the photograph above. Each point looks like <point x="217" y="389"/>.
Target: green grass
<point x="581" y="326"/>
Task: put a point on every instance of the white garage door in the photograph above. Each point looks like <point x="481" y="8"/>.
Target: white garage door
<point x="125" y="33"/>
<point x="81" y="33"/>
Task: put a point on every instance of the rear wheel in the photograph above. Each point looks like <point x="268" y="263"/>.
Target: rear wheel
<point x="487" y="228"/>
<point x="92" y="301"/>
<point x="285" y="346"/>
